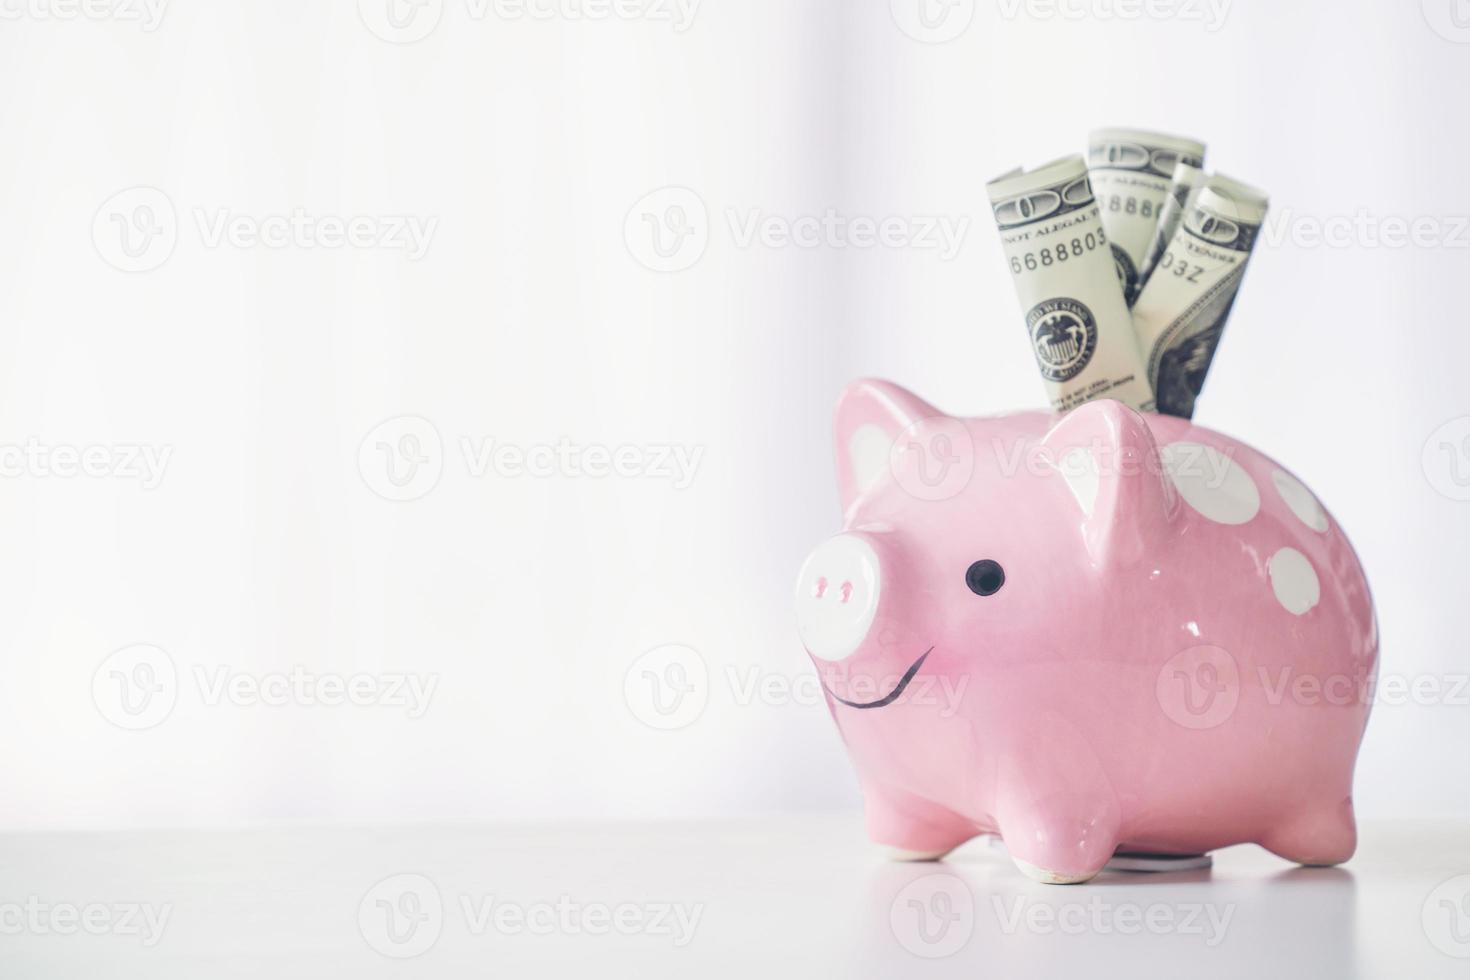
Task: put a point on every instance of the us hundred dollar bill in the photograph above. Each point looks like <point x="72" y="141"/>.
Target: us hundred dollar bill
<point x="1184" y="190"/>
<point x="1057" y="250"/>
<point x="1181" y="313"/>
<point x="1131" y="173"/>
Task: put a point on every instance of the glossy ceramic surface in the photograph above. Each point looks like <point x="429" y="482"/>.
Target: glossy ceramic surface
<point x="1087" y="633"/>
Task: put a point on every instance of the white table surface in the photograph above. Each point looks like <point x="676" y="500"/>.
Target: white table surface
<point x="796" y="896"/>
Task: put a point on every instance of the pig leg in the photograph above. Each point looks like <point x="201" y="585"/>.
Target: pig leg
<point x="1058" y="813"/>
<point x="913" y="829"/>
<point x="1060" y="845"/>
<point x="1319" y="837"/>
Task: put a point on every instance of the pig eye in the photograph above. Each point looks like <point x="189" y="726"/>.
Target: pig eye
<point x="985" y="577"/>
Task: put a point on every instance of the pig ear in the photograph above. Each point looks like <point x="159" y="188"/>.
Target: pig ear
<point x="1123" y="500"/>
<point x="871" y="415"/>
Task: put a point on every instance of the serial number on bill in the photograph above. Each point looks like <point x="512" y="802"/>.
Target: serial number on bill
<point x="1058" y="253"/>
<point x="1128" y="205"/>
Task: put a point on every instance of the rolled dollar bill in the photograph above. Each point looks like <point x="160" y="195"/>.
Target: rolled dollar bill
<point x="1057" y="250"/>
<point x="1184" y="190"/>
<point x="1131" y="171"/>
<point x="1181" y="313"/>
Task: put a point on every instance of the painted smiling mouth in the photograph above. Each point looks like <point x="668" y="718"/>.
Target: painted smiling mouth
<point x="903" y="682"/>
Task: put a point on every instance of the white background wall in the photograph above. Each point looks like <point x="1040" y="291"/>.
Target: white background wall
<point x="267" y="544"/>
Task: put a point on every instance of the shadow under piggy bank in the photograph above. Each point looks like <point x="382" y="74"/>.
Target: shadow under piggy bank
<point x="1086" y="633"/>
<point x="979" y="919"/>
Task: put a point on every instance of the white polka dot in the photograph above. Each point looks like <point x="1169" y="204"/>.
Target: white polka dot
<point x="1300" y="500"/>
<point x="1294" y="581"/>
<point x="1211" y="482"/>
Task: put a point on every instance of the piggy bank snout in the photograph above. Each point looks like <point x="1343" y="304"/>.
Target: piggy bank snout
<point x="837" y="595"/>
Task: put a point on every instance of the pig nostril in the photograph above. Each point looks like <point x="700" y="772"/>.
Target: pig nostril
<point x="821" y="588"/>
<point x="846" y="591"/>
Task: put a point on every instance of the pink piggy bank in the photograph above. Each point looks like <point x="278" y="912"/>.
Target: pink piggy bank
<point x="1094" y="633"/>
